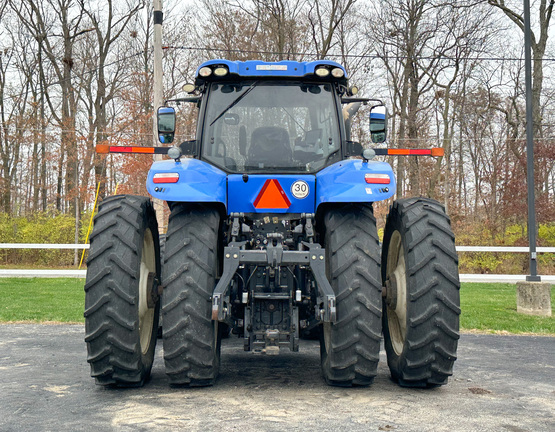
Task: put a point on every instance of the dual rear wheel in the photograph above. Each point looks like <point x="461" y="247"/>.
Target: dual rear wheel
<point x="420" y="309"/>
<point x="122" y="302"/>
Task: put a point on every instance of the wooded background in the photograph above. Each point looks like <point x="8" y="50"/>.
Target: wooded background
<point x="76" y="73"/>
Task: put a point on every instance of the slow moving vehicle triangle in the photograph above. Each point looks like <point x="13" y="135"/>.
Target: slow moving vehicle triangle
<point x="272" y="196"/>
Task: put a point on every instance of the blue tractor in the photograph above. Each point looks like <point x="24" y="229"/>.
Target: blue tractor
<point x="272" y="238"/>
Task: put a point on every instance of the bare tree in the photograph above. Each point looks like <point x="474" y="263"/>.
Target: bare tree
<point x="55" y="25"/>
<point x="326" y="19"/>
<point x="403" y="32"/>
<point x="464" y="33"/>
<point x="539" y="45"/>
<point x="9" y="149"/>
<point x="108" y="24"/>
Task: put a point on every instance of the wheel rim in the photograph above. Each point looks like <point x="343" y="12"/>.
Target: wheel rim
<point x="327" y="336"/>
<point x="146" y="314"/>
<point x="396" y="297"/>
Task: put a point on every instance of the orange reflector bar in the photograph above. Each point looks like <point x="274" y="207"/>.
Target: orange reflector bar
<point x="130" y="149"/>
<point x="410" y="152"/>
<point x="103" y="148"/>
<point x="272" y="196"/>
<point x="438" y="152"/>
<point x="435" y="152"/>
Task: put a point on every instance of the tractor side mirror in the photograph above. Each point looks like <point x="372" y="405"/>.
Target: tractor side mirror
<point x="166" y="124"/>
<point x="378" y="124"/>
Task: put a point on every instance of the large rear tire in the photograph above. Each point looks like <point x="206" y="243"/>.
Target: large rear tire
<point x="422" y="306"/>
<point x="121" y="302"/>
<point x="191" y="338"/>
<point x="350" y="347"/>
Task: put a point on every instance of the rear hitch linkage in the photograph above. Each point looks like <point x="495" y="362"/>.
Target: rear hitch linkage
<point x="275" y="256"/>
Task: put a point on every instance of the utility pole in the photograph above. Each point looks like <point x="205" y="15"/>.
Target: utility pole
<point x="533" y="277"/>
<point x="532" y="297"/>
<point x="158" y="17"/>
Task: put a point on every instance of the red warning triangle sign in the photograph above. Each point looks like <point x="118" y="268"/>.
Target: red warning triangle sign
<point x="272" y="196"/>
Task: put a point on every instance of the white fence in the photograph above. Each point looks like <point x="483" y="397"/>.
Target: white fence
<point x="43" y="246"/>
<point x="463" y="277"/>
<point x="516" y="249"/>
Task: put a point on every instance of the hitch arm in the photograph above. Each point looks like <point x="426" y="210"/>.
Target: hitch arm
<point x="231" y="264"/>
<point x="275" y="256"/>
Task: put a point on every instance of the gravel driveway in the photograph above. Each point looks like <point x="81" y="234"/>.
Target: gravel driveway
<point x="500" y="383"/>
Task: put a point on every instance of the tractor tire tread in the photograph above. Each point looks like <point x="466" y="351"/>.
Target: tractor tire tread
<point x="190" y="266"/>
<point x="111" y="293"/>
<point x="352" y="249"/>
<point x="433" y="293"/>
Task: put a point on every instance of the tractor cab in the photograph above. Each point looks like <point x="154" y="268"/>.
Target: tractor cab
<point x="280" y="126"/>
<point x="257" y="117"/>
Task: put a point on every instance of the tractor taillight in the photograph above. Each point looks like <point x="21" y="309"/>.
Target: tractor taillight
<point x="377" y="178"/>
<point x="165" y="178"/>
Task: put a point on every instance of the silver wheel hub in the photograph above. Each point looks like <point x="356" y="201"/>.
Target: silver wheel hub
<point x="146" y="313"/>
<point x="396" y="293"/>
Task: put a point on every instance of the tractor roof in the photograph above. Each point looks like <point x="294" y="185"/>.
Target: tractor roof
<point x="324" y="70"/>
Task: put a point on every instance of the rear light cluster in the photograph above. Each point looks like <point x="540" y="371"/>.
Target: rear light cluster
<point x="377" y="178"/>
<point x="165" y="178"/>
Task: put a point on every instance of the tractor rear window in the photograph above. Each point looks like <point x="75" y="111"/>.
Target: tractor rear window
<point x="267" y="126"/>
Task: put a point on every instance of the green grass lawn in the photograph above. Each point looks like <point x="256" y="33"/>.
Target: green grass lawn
<point x="488" y="307"/>
<point x="491" y="307"/>
<point x="42" y="299"/>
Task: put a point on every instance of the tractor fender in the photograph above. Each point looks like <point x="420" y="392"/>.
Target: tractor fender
<point x="197" y="181"/>
<point x="353" y="180"/>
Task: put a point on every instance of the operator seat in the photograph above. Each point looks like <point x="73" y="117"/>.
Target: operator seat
<point x="270" y="146"/>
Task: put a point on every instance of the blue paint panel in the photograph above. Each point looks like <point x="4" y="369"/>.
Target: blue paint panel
<point x="241" y="195"/>
<point x="198" y="182"/>
<point x="254" y="68"/>
<point x="345" y="182"/>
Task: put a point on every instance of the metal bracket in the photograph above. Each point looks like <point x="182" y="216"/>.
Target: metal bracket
<point x="275" y="256"/>
<point x="318" y="267"/>
<point x="231" y="263"/>
<point x="235" y="227"/>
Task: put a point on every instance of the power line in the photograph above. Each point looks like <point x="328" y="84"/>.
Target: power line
<point x="359" y="56"/>
<point x="125" y="135"/>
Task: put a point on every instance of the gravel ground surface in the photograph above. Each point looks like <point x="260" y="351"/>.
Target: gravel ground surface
<point x="500" y="383"/>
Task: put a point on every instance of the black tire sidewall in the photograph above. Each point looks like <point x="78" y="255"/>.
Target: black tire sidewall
<point x="358" y="291"/>
<point x="112" y="291"/>
<point x="150" y="222"/>
<point x="432" y="293"/>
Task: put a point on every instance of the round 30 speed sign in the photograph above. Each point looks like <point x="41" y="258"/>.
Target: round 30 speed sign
<point x="300" y="189"/>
